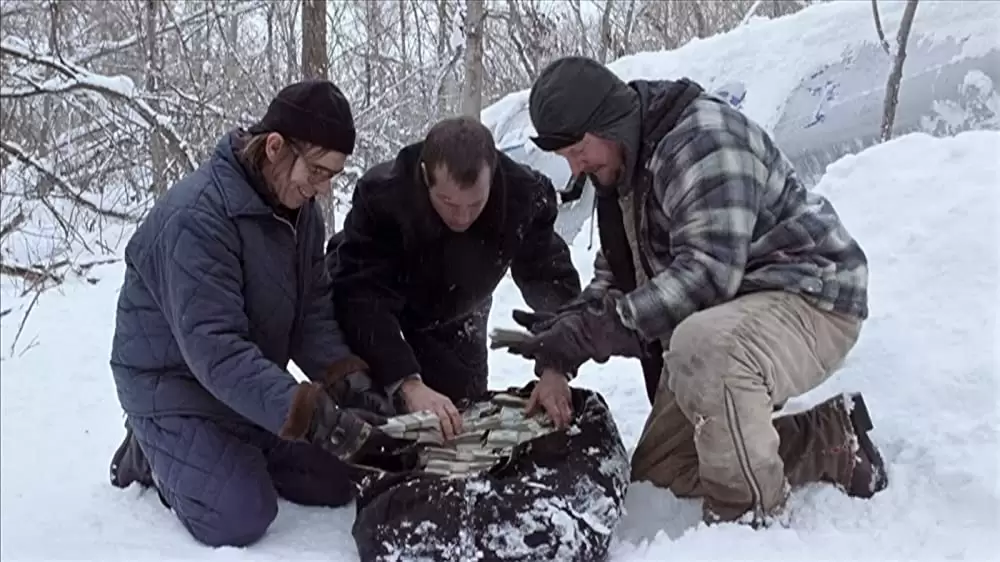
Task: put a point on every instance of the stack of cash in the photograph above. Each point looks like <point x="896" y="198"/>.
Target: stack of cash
<point x="490" y="432"/>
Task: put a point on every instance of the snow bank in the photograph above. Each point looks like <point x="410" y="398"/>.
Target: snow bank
<point x="926" y="211"/>
<point x="815" y="79"/>
<point x="771" y="57"/>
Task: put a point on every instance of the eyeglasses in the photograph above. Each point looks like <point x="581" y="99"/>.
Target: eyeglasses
<point x="316" y="172"/>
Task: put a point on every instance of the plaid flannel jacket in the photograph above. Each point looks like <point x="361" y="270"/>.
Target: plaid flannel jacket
<point x="726" y="216"/>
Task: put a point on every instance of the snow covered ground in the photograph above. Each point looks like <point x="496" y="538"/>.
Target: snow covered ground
<point x="926" y="211"/>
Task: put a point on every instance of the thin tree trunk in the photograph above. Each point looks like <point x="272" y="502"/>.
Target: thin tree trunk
<point x="291" y="45"/>
<point x="272" y="67"/>
<point x="896" y="76"/>
<point x="472" y="95"/>
<point x="315" y="62"/>
<point x="157" y="151"/>
<point x="444" y="29"/>
<point x="606" y="39"/>
<point x="626" y="43"/>
<point x="582" y="27"/>
<point x="45" y="184"/>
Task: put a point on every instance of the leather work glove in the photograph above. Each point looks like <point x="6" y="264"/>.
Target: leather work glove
<point x="537" y="322"/>
<point x="356" y="390"/>
<point x="347" y="433"/>
<point x="592" y="332"/>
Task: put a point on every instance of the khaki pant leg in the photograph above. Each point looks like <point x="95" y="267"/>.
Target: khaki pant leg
<point x="666" y="455"/>
<point x="729" y="365"/>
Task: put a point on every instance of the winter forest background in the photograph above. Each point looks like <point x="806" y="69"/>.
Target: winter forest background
<point x="103" y="105"/>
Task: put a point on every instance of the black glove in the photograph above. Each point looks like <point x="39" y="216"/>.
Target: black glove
<point x="592" y="332"/>
<point x="356" y="390"/>
<point x="537" y="322"/>
<point x="347" y="433"/>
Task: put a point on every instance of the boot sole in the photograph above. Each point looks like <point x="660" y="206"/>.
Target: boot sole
<point x="860" y="417"/>
<point x="862" y="421"/>
<point x="116" y="459"/>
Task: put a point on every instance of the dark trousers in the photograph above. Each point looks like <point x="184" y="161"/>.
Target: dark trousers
<point x="453" y="355"/>
<point x="223" y="479"/>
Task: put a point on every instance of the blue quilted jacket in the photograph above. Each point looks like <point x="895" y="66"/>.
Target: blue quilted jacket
<point x="220" y="291"/>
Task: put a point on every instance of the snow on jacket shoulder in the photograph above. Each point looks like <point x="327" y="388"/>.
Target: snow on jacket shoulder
<point x="220" y="292"/>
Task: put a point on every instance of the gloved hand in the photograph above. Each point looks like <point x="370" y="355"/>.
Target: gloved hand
<point x="347" y="433"/>
<point x="593" y="332"/>
<point x="356" y="390"/>
<point x="537" y="322"/>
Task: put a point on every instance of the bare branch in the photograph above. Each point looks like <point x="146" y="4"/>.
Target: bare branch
<point x="878" y="28"/>
<point x="118" y="87"/>
<point x="24" y="158"/>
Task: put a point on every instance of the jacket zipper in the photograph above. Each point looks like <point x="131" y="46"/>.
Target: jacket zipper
<point x="293" y="227"/>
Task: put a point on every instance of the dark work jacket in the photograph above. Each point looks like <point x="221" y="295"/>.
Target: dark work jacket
<point x="396" y="267"/>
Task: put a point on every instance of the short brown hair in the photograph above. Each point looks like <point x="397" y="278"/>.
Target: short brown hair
<point x="462" y="145"/>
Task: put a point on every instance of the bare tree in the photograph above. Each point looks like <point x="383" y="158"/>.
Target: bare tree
<point x="606" y="39"/>
<point x="157" y="152"/>
<point x="896" y="76"/>
<point x="472" y="92"/>
<point x="315" y="62"/>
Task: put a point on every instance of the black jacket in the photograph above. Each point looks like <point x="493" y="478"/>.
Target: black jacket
<point x="396" y="267"/>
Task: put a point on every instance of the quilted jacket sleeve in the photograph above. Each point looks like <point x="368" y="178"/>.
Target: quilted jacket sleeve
<point x="321" y="346"/>
<point x="193" y="271"/>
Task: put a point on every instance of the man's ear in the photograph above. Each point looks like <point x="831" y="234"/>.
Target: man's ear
<point x="273" y="146"/>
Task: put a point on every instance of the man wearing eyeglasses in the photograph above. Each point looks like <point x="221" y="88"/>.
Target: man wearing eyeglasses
<point x="224" y="285"/>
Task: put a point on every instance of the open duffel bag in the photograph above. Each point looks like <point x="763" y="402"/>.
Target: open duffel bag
<point x="509" y="488"/>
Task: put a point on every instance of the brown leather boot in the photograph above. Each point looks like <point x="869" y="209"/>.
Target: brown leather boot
<point x="830" y="443"/>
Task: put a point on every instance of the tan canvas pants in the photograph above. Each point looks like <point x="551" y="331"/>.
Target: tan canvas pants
<point x="726" y="369"/>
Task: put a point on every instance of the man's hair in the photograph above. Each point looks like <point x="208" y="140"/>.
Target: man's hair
<point x="254" y="151"/>
<point x="460" y="144"/>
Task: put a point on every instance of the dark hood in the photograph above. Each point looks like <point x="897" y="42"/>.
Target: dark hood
<point x="577" y="95"/>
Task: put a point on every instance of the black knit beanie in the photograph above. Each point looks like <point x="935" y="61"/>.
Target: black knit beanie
<point x="575" y="95"/>
<point x="311" y="111"/>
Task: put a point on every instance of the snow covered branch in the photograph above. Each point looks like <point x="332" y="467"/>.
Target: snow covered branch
<point x="18" y="153"/>
<point x="73" y="77"/>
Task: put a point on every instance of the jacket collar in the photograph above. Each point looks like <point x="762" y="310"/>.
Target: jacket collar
<point x="244" y="192"/>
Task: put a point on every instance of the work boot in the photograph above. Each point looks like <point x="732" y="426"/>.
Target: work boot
<point x="129" y="465"/>
<point x="830" y="443"/>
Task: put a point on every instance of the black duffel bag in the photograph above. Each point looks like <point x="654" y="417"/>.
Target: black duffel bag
<point x="557" y="496"/>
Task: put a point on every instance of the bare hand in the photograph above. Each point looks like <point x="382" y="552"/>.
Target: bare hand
<point x="552" y="393"/>
<point x="419" y="397"/>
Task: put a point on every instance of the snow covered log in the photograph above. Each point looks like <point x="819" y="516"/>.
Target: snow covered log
<point x="557" y="496"/>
